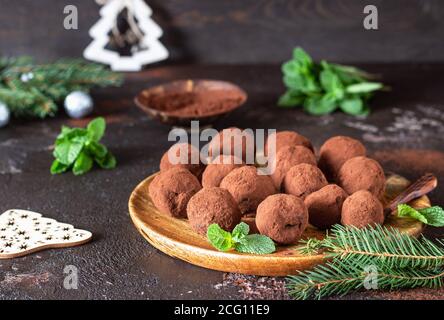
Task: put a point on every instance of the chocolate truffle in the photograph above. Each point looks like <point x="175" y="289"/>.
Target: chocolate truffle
<point x="218" y="169"/>
<point x="361" y="209"/>
<point x="233" y="141"/>
<point x="171" y="190"/>
<point x="288" y="138"/>
<point x="192" y="155"/>
<point x="213" y="205"/>
<point x="335" y="151"/>
<point x="247" y="187"/>
<point x="288" y="157"/>
<point x="325" y="205"/>
<point x="303" y="179"/>
<point x="282" y="217"/>
<point x="361" y="173"/>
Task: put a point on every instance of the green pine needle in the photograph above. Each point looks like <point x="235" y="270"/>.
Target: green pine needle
<point x="49" y="84"/>
<point x="389" y="245"/>
<point x="401" y="261"/>
<point x="342" y="277"/>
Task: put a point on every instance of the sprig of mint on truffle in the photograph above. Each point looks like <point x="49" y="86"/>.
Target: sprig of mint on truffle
<point x="323" y="87"/>
<point x="239" y="240"/>
<point x="79" y="148"/>
<point x="433" y="216"/>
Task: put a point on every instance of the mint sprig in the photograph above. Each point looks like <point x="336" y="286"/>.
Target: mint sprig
<point x="323" y="87"/>
<point x="239" y="240"/>
<point x="433" y="216"/>
<point x="79" y="148"/>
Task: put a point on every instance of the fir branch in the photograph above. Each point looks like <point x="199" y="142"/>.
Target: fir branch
<point x="49" y="84"/>
<point x="401" y="261"/>
<point x="393" y="248"/>
<point x="342" y="277"/>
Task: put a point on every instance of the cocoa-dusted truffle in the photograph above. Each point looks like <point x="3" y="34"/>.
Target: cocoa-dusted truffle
<point x="247" y="187"/>
<point x="288" y="138"/>
<point x="361" y="173"/>
<point x="303" y="179"/>
<point x="171" y="190"/>
<point x="282" y="217"/>
<point x="288" y="157"/>
<point x="335" y="151"/>
<point x="325" y="205"/>
<point x="192" y="155"/>
<point x="362" y="209"/>
<point x="213" y="205"/>
<point x="233" y="141"/>
<point x="218" y="169"/>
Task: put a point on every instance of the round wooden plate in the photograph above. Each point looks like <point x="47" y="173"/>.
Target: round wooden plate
<point x="175" y="237"/>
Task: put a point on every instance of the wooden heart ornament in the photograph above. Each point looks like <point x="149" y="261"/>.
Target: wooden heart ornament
<point x="23" y="232"/>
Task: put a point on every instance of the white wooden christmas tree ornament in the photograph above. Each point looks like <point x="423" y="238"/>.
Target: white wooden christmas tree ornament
<point x="23" y="232"/>
<point x="153" y="50"/>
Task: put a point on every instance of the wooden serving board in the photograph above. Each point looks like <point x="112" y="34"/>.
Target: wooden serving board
<point x="176" y="238"/>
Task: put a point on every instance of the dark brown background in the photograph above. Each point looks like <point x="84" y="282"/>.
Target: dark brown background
<point x="246" y="31"/>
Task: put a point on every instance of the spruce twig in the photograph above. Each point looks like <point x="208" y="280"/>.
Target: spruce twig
<point x="49" y="84"/>
<point x="342" y="277"/>
<point x="392" y="247"/>
<point x="401" y="261"/>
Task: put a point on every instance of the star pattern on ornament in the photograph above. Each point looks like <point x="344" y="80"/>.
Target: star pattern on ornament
<point x="24" y="231"/>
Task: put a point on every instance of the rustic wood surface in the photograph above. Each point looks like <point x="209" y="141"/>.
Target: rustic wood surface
<point x="176" y="238"/>
<point x="247" y="31"/>
<point x="405" y="132"/>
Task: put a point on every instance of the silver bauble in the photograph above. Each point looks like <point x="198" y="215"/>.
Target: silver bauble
<point x="25" y="77"/>
<point x="78" y="104"/>
<point x="5" y="115"/>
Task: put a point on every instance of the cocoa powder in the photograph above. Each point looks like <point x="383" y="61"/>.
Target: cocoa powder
<point x="191" y="104"/>
<point x="419" y="161"/>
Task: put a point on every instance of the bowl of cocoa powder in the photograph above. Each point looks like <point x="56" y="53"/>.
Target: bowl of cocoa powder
<point x="179" y="102"/>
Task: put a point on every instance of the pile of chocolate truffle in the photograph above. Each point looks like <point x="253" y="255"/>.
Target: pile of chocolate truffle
<point x="341" y="185"/>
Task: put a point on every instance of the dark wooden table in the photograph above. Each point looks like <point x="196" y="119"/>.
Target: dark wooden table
<point x="405" y="132"/>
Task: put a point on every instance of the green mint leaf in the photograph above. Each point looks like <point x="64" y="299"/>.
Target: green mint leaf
<point x="351" y="74"/>
<point x="98" y="150"/>
<point x="69" y="134"/>
<point x="320" y="105"/>
<point x="240" y="231"/>
<point x="302" y="57"/>
<point x="291" y="68"/>
<point x="58" y="167"/>
<point x="64" y="132"/>
<point x="434" y="216"/>
<point x="67" y="152"/>
<point x="353" y="106"/>
<point x="83" y="164"/>
<point x="83" y="139"/>
<point x="294" y="81"/>
<point x="108" y="162"/>
<point x="290" y="99"/>
<point x="299" y="77"/>
<point x="404" y="210"/>
<point x="219" y="238"/>
<point x="364" y="87"/>
<point x="256" y="243"/>
<point x="96" y="129"/>
<point x="331" y="83"/>
<point x="323" y="87"/>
